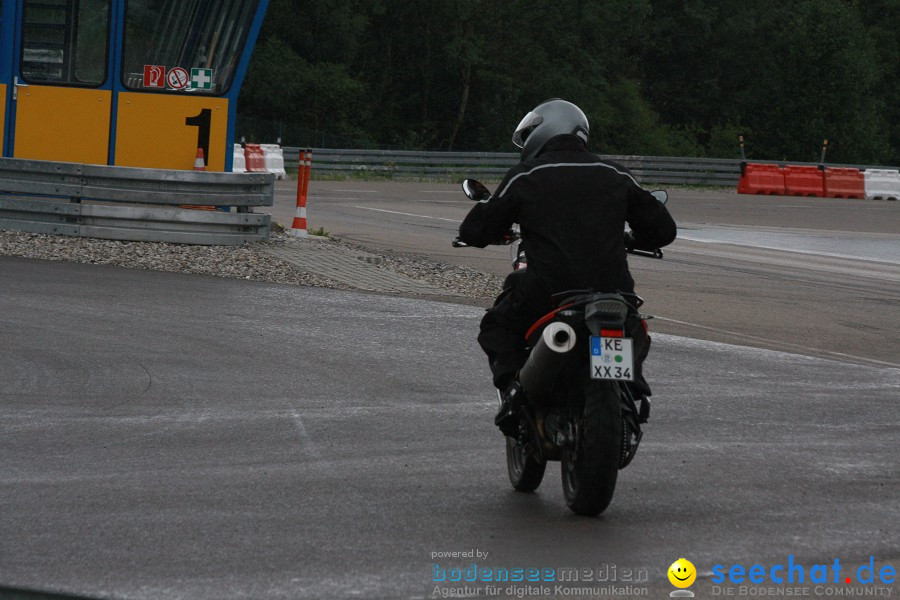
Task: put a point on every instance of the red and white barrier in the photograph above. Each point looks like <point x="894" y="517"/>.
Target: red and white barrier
<point x="299" y="227"/>
<point x="821" y="181"/>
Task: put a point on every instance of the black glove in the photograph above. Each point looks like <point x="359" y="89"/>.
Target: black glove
<point x="628" y="239"/>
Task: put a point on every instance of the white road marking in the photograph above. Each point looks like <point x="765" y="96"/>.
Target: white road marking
<point x="720" y="205"/>
<point x="358" y="191"/>
<point x="305" y="440"/>
<point x="333" y="198"/>
<point x="763" y="246"/>
<point x="786" y="344"/>
<point x="394" y="212"/>
<point x="292" y="195"/>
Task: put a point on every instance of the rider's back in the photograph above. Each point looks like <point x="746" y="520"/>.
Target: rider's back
<point x="572" y="207"/>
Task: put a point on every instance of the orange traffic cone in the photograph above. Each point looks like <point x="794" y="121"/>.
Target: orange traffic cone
<point x="200" y="161"/>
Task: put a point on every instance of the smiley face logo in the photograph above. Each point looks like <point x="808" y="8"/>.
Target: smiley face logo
<point x="682" y="573"/>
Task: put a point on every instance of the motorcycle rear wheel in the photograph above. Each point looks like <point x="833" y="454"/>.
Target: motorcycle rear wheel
<point x="590" y="469"/>
<point x="525" y="471"/>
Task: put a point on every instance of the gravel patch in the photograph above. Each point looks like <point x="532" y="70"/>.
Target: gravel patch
<point x="461" y="280"/>
<point x="250" y="261"/>
<point x="465" y="281"/>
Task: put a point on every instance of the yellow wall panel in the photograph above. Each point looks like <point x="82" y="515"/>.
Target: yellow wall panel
<point x="151" y="131"/>
<point x="62" y="124"/>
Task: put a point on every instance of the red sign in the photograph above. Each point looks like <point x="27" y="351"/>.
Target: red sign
<point x="177" y="78"/>
<point x="154" y="76"/>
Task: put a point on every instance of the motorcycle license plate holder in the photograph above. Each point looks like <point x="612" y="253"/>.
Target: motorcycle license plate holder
<point x="612" y="358"/>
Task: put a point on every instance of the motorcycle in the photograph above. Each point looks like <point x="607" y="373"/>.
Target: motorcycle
<point x="585" y="398"/>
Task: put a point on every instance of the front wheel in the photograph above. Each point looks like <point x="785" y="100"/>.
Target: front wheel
<point x="590" y="467"/>
<point x="525" y="471"/>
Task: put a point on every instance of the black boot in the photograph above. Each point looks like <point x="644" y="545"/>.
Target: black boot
<point x="508" y="416"/>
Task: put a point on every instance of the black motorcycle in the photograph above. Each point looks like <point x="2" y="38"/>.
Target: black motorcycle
<point x="585" y="397"/>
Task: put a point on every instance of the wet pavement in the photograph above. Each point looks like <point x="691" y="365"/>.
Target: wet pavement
<point x="177" y="436"/>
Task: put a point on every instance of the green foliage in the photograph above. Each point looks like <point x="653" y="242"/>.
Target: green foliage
<point x="723" y="140"/>
<point x="655" y="77"/>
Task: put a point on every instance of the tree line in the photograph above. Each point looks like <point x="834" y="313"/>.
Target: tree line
<point x="655" y="77"/>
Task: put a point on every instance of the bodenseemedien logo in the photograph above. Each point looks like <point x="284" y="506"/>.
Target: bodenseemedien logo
<point x="682" y="574"/>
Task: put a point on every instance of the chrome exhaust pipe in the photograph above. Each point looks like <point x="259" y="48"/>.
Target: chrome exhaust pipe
<point x="547" y="358"/>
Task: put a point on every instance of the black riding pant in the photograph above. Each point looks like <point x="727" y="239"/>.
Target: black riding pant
<point x="504" y="326"/>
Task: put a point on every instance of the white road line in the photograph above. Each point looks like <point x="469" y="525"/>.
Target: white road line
<point x="720" y="205"/>
<point x="305" y="441"/>
<point x="747" y="244"/>
<point x="787" y="344"/>
<point x="394" y="212"/>
<point x="333" y="198"/>
<point x="469" y="202"/>
<point x="291" y="195"/>
<point x="358" y="191"/>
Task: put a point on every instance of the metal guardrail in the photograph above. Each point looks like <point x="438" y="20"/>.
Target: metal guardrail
<point x="650" y="169"/>
<point x="87" y="200"/>
<point x="646" y="169"/>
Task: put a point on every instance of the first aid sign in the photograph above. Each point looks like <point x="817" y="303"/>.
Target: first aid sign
<point x="201" y="79"/>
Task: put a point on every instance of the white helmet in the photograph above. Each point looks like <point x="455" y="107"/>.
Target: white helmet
<point x="548" y="120"/>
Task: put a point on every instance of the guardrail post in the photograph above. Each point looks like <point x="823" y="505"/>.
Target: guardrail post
<point x="73" y="218"/>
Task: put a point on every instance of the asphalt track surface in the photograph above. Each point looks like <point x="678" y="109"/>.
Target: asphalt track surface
<point x="180" y="436"/>
<point x="819" y="276"/>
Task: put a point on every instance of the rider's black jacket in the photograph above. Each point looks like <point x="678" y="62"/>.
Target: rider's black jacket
<point x="572" y="208"/>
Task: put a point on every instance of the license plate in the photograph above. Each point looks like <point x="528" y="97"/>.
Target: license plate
<point x="612" y="358"/>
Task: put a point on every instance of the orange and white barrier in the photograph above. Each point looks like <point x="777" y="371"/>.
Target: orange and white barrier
<point x="299" y="227"/>
<point x="259" y="158"/>
<point x="819" y="181"/>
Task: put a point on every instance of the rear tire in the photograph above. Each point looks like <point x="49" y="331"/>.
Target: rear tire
<point x="589" y="470"/>
<point x="525" y="471"/>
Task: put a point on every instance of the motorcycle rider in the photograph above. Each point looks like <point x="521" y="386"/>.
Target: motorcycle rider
<point x="572" y="207"/>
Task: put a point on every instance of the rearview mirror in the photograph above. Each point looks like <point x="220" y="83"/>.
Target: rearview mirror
<point x="661" y="195"/>
<point x="475" y="190"/>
